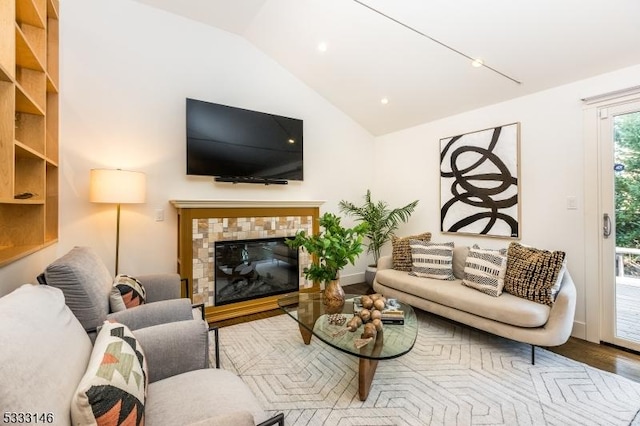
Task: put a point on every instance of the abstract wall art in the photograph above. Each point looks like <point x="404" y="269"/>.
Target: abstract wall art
<point x="479" y="182"/>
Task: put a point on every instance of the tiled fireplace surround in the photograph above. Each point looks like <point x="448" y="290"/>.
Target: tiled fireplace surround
<point x="206" y="222"/>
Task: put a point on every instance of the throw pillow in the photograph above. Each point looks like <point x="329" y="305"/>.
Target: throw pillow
<point x="113" y="390"/>
<point x="432" y="260"/>
<point x="126" y="292"/>
<point x="484" y="270"/>
<point x="532" y="273"/>
<point x="401" y="253"/>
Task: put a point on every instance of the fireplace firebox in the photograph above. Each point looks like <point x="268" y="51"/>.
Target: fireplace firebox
<point x="251" y="269"/>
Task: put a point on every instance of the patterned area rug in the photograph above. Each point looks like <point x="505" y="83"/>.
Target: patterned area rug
<point x="454" y="375"/>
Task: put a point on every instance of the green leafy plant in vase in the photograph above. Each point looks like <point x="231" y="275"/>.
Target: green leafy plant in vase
<point x="382" y="222"/>
<point x="332" y="249"/>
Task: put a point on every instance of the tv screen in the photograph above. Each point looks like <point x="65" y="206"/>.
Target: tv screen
<point x="229" y="142"/>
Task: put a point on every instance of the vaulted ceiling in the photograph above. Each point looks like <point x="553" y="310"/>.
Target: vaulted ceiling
<point x="417" y="53"/>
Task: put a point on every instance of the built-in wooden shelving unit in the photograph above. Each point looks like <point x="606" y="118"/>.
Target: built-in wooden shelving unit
<point x="28" y="127"/>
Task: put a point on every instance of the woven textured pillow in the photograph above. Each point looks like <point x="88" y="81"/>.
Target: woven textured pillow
<point x="432" y="260"/>
<point x="401" y="253"/>
<point x="113" y="390"/>
<point x="127" y="292"/>
<point x="532" y="273"/>
<point x="484" y="270"/>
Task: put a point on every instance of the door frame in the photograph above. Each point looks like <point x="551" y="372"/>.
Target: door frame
<point x="594" y="271"/>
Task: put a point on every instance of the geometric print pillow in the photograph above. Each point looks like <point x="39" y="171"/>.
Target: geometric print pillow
<point x="113" y="390"/>
<point x="484" y="270"/>
<point x="432" y="260"/>
<point x="532" y="273"/>
<point x="127" y="292"/>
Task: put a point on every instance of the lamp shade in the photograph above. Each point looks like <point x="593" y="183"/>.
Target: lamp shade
<point x="117" y="186"/>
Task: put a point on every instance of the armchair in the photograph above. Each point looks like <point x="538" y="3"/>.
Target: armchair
<point x="47" y="353"/>
<point x="86" y="283"/>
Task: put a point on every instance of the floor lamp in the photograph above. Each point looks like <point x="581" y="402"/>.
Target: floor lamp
<point x="117" y="186"/>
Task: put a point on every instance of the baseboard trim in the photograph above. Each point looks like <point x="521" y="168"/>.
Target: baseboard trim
<point x="579" y="330"/>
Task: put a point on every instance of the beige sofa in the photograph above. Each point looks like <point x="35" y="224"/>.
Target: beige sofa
<point x="507" y="315"/>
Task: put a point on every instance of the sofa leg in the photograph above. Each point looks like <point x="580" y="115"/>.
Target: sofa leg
<point x="533" y="355"/>
<point x="216" y="344"/>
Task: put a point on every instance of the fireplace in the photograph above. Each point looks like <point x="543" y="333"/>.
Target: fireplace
<point x="251" y="269"/>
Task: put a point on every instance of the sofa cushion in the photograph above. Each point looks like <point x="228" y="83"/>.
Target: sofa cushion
<point x="507" y="308"/>
<point x="532" y="273"/>
<point x="113" y="389"/>
<point x="401" y="251"/>
<point x="126" y="292"/>
<point x="85" y="282"/>
<point x="44" y="352"/>
<point x="460" y="254"/>
<point x="432" y="260"/>
<point x="171" y="400"/>
<point x="484" y="271"/>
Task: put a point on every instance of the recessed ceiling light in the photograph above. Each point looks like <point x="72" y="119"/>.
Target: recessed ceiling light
<point x="322" y="47"/>
<point x="384" y="101"/>
<point x="477" y="63"/>
<point x="291" y="141"/>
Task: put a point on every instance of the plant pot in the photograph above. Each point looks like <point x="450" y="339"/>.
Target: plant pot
<point x="333" y="297"/>
<point x="370" y="274"/>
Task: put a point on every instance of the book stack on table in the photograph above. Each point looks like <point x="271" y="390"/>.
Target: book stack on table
<point x="392" y="316"/>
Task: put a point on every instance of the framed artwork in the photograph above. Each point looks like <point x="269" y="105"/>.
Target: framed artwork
<point x="479" y="182"/>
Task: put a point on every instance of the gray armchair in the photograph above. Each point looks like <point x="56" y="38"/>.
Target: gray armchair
<point x="46" y="353"/>
<point x="86" y="283"/>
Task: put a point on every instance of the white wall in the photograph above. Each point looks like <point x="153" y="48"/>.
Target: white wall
<point x="552" y="168"/>
<point x="126" y="70"/>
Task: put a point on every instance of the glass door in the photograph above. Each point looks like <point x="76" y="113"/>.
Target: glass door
<point x="620" y="137"/>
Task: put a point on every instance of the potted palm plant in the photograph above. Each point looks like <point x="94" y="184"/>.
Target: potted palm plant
<point x="382" y="222"/>
<point x="333" y="248"/>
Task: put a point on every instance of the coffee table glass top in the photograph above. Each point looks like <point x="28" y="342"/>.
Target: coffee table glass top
<point x="309" y="311"/>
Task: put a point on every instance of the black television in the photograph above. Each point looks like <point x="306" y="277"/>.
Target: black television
<point x="239" y="145"/>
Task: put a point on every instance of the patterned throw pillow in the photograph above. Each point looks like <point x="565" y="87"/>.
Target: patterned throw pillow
<point x="113" y="390"/>
<point x="484" y="270"/>
<point x="126" y="292"/>
<point x="532" y="273"/>
<point x="401" y="253"/>
<point x="432" y="260"/>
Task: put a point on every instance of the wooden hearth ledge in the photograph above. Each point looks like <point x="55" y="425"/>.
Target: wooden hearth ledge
<point x="188" y="210"/>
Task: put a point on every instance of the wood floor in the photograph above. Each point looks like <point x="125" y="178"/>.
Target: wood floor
<point x="604" y="357"/>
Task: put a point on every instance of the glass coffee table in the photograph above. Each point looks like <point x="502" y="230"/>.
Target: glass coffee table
<point x="393" y="341"/>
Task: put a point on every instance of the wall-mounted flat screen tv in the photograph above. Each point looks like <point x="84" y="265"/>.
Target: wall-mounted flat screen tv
<point x="239" y="145"/>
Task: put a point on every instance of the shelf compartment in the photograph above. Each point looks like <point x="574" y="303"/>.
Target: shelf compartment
<point x="7" y="95"/>
<point x="52" y="8"/>
<point x="51" y="206"/>
<point x="30" y="132"/>
<point x="7" y="37"/>
<point x="21" y="225"/>
<point x="29" y="174"/>
<point x="5" y="75"/>
<point x="52" y="127"/>
<point x="28" y="13"/>
<point x="26" y="56"/>
<point x="53" y="54"/>
<point x="34" y="84"/>
<point x="25" y="103"/>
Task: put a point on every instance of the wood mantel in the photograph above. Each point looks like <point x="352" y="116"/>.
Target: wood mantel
<point x="225" y="204"/>
<point x="192" y="214"/>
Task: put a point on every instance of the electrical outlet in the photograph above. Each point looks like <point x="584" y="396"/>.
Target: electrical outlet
<point x="572" y="203"/>
<point x="159" y="215"/>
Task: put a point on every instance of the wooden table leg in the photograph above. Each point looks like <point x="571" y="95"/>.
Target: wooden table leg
<point x="366" y="371"/>
<point x="305" y="333"/>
